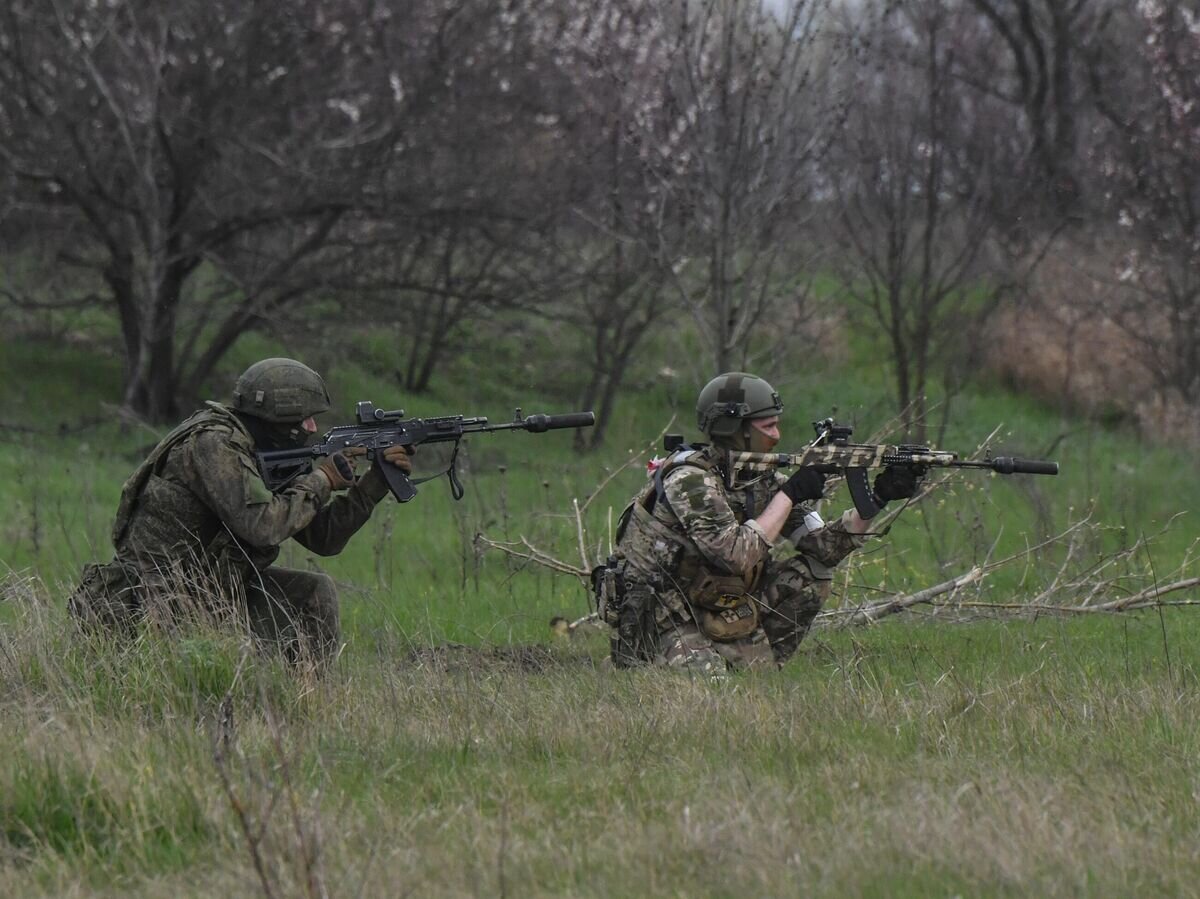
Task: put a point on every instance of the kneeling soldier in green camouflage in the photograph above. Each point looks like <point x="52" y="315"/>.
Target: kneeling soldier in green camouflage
<point x="692" y="583"/>
<point x="197" y="530"/>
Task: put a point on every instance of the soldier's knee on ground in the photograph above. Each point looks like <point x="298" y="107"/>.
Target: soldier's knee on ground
<point x="105" y="601"/>
<point x="317" y="618"/>
<point x="688" y="649"/>
<point x="103" y="615"/>
<point x="326" y="619"/>
<point x="754" y="651"/>
<point x="297" y="610"/>
<point x="792" y="602"/>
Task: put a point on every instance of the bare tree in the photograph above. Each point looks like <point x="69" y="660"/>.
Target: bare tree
<point x="1148" y="157"/>
<point x="728" y="163"/>
<point x="613" y="299"/>
<point x="1038" y="65"/>
<point x="917" y="176"/>
<point x="599" y="261"/>
<point x="154" y="142"/>
<point x="490" y="187"/>
<point x="430" y="281"/>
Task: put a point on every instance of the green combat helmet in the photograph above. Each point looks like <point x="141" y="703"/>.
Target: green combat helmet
<point x="729" y="400"/>
<point x="281" y="391"/>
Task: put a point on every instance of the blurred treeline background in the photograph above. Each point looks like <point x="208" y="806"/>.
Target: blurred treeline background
<point x="978" y="183"/>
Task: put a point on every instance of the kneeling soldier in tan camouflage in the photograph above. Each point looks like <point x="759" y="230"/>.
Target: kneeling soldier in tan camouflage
<point x="692" y="583"/>
<point x="197" y="530"/>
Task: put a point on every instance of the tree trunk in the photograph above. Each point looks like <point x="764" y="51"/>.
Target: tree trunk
<point x="612" y="386"/>
<point x="151" y="390"/>
<point x="600" y="368"/>
<point x="587" y="400"/>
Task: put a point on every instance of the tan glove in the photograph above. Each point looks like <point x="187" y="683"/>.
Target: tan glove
<point x="399" y="456"/>
<point x="338" y="469"/>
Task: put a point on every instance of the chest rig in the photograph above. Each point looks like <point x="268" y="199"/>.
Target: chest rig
<point x="718" y="599"/>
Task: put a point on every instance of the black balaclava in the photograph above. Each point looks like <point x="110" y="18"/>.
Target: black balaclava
<point x="269" y="435"/>
<point x="740" y="441"/>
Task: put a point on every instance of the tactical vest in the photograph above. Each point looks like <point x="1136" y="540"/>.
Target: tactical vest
<point x="215" y="416"/>
<point x="111" y="595"/>
<point x="181" y="522"/>
<point x="706" y="458"/>
<point x="699" y="579"/>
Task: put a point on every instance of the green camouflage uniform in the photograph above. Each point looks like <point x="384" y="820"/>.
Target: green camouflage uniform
<point x="698" y="529"/>
<point x="198" y="529"/>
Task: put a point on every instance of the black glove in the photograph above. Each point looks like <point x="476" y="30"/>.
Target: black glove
<point x="805" y="484"/>
<point x="898" y="482"/>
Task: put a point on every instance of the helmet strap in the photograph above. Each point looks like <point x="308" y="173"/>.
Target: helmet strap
<point x="737" y="441"/>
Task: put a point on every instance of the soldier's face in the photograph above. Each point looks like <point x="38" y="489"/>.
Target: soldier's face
<point x="295" y="435"/>
<point x="303" y="432"/>
<point x="764" y="434"/>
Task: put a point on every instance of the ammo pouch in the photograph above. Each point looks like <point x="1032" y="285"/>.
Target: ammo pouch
<point x="726" y="612"/>
<point x="717" y="591"/>
<point x="729" y="624"/>
<point x="608" y="584"/>
<point x="627" y="605"/>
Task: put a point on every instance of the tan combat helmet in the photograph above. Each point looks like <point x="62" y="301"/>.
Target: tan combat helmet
<point x="281" y="391"/>
<point x="730" y="400"/>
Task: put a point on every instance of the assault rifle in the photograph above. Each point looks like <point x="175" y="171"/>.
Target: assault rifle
<point x="833" y="453"/>
<point x="376" y="430"/>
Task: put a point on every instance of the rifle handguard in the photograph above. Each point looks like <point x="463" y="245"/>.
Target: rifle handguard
<point x="377" y="429"/>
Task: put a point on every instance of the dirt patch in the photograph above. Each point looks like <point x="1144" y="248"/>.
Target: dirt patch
<point x="458" y="658"/>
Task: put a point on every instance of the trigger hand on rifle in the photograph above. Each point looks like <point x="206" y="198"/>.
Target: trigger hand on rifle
<point x="399" y="456"/>
<point x="338" y="470"/>
<point x="805" y="485"/>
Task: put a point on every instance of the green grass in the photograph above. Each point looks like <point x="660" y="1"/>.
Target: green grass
<point x="56" y="806"/>
<point x="929" y="755"/>
<point x="1001" y="758"/>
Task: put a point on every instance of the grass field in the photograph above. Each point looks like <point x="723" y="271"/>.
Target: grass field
<point x="1020" y="758"/>
<point x="458" y="749"/>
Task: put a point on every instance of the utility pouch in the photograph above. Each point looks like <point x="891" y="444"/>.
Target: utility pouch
<point x="627" y="605"/>
<point x="717" y="591"/>
<point x="724" y="610"/>
<point x="608" y="583"/>
<point x="633" y="642"/>
<point x="729" y="624"/>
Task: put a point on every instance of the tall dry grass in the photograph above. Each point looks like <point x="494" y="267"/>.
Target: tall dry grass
<point x="1044" y="758"/>
<point x="1064" y="344"/>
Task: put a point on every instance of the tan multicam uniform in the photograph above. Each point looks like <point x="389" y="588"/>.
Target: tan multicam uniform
<point x="699" y="530"/>
<point x="197" y="528"/>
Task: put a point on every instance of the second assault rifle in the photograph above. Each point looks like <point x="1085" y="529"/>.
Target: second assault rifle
<point x="833" y="453"/>
<point x="375" y="430"/>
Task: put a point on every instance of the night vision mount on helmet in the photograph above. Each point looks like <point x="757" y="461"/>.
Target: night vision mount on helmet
<point x="281" y="391"/>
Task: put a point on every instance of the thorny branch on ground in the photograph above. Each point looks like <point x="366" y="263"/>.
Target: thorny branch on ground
<point x="525" y="550"/>
<point x="1082" y="580"/>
